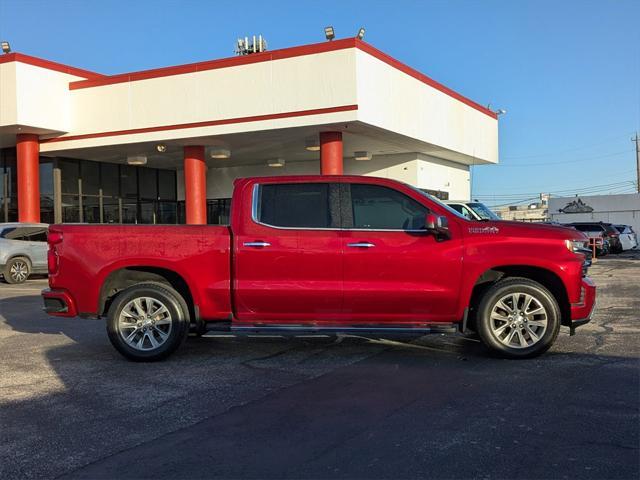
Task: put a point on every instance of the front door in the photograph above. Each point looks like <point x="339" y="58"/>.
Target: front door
<point x="394" y="270"/>
<point x="288" y="255"/>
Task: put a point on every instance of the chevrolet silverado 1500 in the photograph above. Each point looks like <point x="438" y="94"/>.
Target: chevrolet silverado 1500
<point x="318" y="254"/>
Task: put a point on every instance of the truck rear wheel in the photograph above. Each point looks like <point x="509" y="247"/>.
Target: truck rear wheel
<point x="518" y="318"/>
<point x="147" y="322"/>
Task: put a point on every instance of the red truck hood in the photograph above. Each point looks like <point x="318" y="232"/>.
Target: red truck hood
<point x="523" y="229"/>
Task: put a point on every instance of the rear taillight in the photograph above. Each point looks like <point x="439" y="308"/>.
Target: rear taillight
<point x="54" y="237"/>
<point x="52" y="260"/>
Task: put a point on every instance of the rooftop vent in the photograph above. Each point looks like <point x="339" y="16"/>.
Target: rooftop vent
<point x="247" y="46"/>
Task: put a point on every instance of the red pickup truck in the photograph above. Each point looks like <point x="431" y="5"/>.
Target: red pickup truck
<point x="318" y="254"/>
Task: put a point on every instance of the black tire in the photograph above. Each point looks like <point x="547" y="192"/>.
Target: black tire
<point x="176" y="326"/>
<point x="518" y="286"/>
<point x="14" y="270"/>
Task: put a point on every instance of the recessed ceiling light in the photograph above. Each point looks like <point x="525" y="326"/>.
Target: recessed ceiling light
<point x="362" y="155"/>
<point x="220" y="153"/>
<point x="312" y="144"/>
<point x="137" y="160"/>
<point x="276" y="162"/>
<point x="161" y="147"/>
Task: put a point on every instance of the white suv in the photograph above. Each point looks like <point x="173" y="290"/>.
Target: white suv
<point x="472" y="210"/>
<point x="23" y="250"/>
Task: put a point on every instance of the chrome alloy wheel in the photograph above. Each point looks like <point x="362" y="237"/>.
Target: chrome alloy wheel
<point x="19" y="271"/>
<point x="144" y="323"/>
<point x="518" y="320"/>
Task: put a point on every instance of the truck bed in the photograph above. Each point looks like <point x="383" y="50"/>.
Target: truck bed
<point x="200" y="254"/>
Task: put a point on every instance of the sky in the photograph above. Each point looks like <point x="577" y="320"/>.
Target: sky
<point x="567" y="72"/>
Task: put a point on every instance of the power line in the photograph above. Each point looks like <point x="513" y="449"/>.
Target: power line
<point x="515" y="203"/>
<point x="615" y="188"/>
<point x="565" y="191"/>
<point x="566" y="161"/>
<point x="637" y="140"/>
<point x="546" y="188"/>
<point x="568" y="150"/>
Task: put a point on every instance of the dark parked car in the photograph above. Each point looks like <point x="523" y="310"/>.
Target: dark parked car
<point x="609" y="233"/>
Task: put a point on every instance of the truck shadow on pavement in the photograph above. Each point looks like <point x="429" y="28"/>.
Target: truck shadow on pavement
<point x="306" y="407"/>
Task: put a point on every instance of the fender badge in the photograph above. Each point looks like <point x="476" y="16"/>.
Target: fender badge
<point x="492" y="230"/>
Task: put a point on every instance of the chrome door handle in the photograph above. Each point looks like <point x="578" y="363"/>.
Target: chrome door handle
<point x="361" y="245"/>
<point x="257" y="244"/>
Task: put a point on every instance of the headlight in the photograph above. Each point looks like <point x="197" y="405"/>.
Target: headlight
<point x="577" y="246"/>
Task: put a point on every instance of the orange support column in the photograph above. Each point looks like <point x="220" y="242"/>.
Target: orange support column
<point x="28" y="154"/>
<point x="195" y="185"/>
<point x="331" y="153"/>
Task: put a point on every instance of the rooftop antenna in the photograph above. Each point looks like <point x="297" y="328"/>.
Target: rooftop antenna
<point x="249" y="46"/>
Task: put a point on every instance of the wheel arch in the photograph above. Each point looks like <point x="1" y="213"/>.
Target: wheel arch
<point x="126" y="276"/>
<point x="545" y="277"/>
<point x="26" y="256"/>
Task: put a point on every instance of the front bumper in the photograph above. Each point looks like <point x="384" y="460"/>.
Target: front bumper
<point x="59" y="303"/>
<point x="582" y="311"/>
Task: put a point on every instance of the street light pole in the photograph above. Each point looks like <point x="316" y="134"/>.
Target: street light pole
<point x="637" y="140"/>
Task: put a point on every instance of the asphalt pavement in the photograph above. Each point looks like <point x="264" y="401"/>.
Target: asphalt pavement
<point x="315" y="408"/>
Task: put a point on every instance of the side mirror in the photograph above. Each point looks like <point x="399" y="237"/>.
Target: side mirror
<point x="438" y="224"/>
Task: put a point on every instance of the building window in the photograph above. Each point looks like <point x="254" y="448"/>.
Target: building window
<point x="46" y="190"/>
<point x="219" y="211"/>
<point x="70" y="188"/>
<point x="95" y="192"/>
<point x="8" y="182"/>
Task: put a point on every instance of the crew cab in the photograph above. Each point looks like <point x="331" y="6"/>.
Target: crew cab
<point x="319" y="254"/>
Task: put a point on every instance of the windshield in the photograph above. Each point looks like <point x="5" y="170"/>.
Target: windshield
<point x="483" y="211"/>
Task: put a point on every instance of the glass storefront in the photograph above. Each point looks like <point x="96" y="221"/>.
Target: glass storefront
<point x="8" y="190"/>
<point x="218" y="211"/>
<point x="98" y="192"/>
<point x="46" y="190"/>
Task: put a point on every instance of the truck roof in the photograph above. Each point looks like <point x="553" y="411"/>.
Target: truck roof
<point x="317" y="178"/>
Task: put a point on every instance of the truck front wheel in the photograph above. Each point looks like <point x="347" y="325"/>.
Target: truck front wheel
<point x="147" y="322"/>
<point x="518" y="318"/>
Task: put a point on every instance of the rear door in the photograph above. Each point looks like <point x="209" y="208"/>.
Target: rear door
<point x="288" y="254"/>
<point x="37" y="239"/>
<point x="394" y="270"/>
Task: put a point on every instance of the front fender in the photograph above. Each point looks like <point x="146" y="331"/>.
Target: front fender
<point x="541" y="254"/>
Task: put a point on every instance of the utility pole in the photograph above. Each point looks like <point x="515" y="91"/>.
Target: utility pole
<point x="637" y="140"/>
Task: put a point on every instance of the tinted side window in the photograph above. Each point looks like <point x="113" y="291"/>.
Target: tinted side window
<point x="16" y="233"/>
<point x="297" y="205"/>
<point x="381" y="208"/>
<point x="37" y="235"/>
<point x="589" y="228"/>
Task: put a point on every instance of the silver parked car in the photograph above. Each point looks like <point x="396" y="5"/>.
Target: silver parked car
<point x="23" y="250"/>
